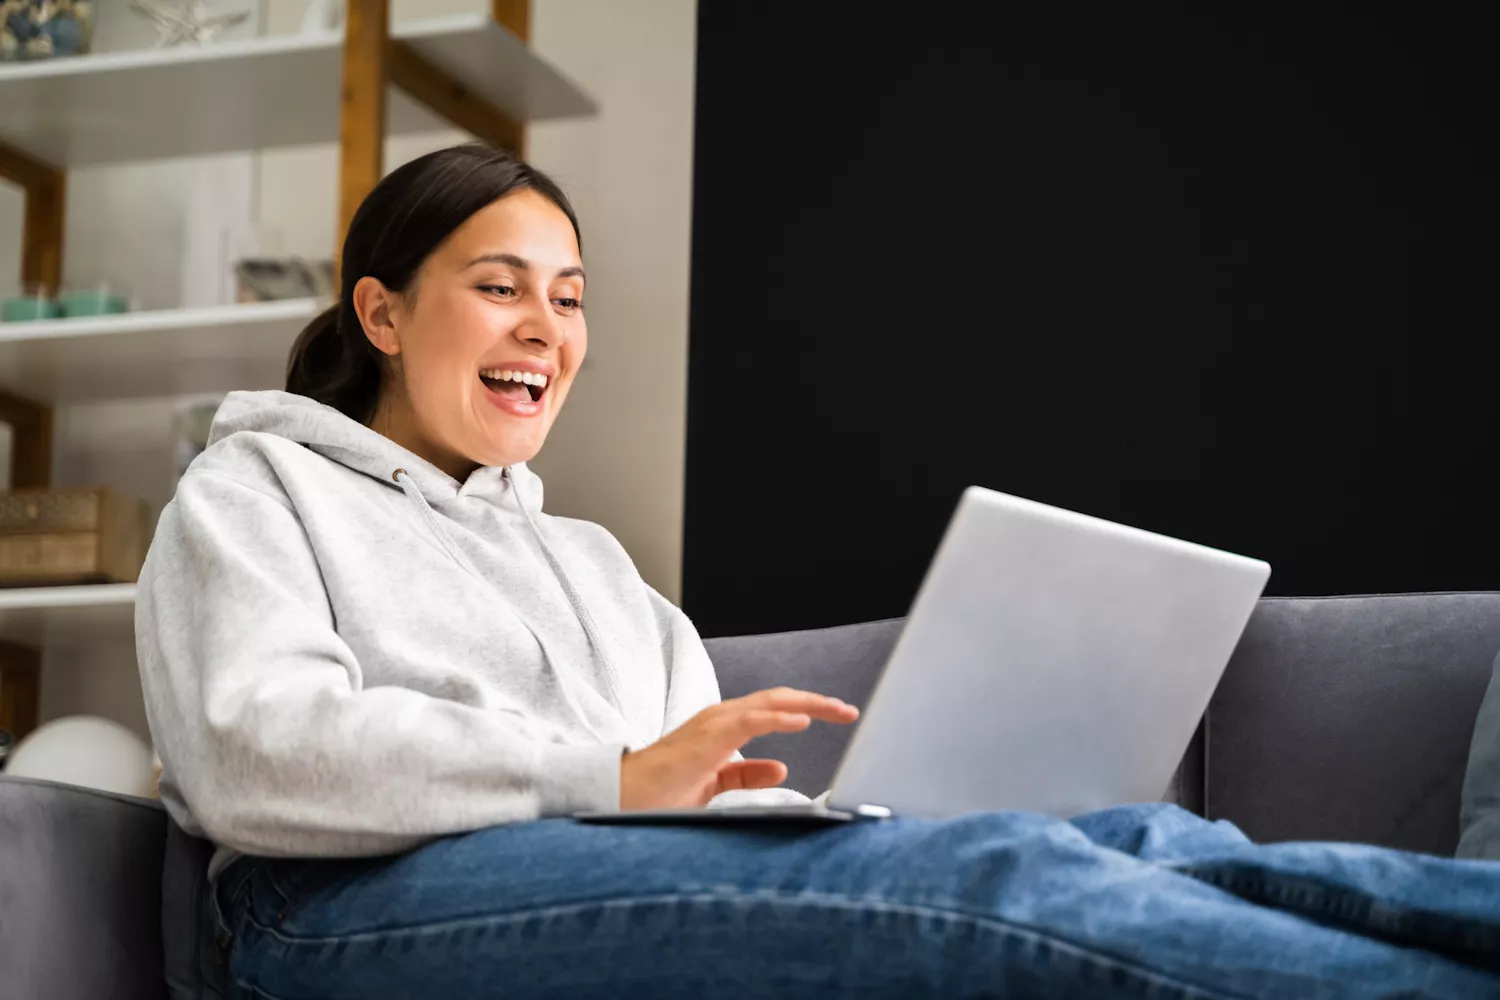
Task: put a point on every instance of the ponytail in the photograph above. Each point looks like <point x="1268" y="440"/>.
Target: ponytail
<point x="333" y="362"/>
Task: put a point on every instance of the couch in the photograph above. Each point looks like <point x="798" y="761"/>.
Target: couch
<point x="1337" y="719"/>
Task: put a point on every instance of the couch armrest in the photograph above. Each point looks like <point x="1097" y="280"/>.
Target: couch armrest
<point x="80" y="893"/>
<point x="843" y="662"/>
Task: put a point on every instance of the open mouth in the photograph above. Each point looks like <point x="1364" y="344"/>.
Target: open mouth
<point x="523" y="387"/>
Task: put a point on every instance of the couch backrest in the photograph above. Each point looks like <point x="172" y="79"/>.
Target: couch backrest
<point x="1349" y="718"/>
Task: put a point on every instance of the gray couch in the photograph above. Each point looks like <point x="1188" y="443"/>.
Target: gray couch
<point x="1338" y="719"/>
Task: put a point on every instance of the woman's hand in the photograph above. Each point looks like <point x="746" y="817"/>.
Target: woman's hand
<point x="691" y="764"/>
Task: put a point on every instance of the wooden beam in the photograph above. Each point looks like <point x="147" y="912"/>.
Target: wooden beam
<point x="20" y="668"/>
<point x="514" y="15"/>
<point x="24" y="169"/>
<point x="31" y="441"/>
<point x="362" y="112"/>
<point x="42" y="233"/>
<point x="450" y="98"/>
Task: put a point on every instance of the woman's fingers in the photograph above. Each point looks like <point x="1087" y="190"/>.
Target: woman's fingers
<point x="755" y="773"/>
<point x="783" y="699"/>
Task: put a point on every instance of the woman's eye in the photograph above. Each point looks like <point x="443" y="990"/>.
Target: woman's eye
<point x="504" y="291"/>
<point x="568" y="304"/>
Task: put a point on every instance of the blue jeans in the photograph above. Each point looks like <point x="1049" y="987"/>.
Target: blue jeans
<point x="1140" y="901"/>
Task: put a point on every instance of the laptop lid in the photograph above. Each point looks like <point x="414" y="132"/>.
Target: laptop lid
<point x="1052" y="662"/>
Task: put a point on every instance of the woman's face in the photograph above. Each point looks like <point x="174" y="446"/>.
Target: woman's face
<point x="486" y="341"/>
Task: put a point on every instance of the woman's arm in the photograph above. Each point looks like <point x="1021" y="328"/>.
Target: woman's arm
<point x="261" y="716"/>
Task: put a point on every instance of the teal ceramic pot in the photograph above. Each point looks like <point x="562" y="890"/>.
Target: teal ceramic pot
<point x="29" y="307"/>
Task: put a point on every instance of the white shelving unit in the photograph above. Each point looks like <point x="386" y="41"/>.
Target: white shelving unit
<point x="159" y="353"/>
<point x="278" y="90"/>
<point x="257" y="93"/>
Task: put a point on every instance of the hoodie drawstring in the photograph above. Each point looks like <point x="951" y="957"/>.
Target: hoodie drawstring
<point x="585" y="617"/>
<point x="575" y="600"/>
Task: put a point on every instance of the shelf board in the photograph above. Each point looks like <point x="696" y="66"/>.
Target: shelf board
<point x="37" y="616"/>
<point x="275" y="90"/>
<point x="159" y="353"/>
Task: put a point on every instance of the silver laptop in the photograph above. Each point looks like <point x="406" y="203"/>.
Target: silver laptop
<point x="1052" y="662"/>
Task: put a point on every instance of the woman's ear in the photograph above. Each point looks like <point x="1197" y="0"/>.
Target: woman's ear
<point x="375" y="305"/>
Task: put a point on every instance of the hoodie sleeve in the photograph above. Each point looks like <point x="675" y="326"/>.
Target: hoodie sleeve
<point x="692" y="686"/>
<point x="263" y="722"/>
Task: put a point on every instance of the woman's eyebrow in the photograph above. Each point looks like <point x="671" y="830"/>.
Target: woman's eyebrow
<point x="521" y="264"/>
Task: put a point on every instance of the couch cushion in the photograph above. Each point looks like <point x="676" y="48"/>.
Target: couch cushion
<point x="80" y="893"/>
<point x="1350" y="718"/>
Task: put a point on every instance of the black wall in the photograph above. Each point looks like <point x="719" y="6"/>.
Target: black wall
<point x="1229" y="278"/>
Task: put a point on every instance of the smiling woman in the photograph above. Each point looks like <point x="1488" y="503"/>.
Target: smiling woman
<point x="459" y="326"/>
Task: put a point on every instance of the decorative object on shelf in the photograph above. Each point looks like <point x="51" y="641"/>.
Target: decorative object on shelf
<point x="33" y="301"/>
<point x="182" y="22"/>
<point x="101" y="300"/>
<point x="70" y="536"/>
<point x="191" y="420"/>
<point x="268" y="279"/>
<point x="85" y="750"/>
<point x="258" y="266"/>
<point x="45" y="29"/>
<point x="323" y="15"/>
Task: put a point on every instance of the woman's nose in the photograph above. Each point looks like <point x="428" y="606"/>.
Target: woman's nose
<point x="540" y="327"/>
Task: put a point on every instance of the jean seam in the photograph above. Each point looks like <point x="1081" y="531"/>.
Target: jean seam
<point x="1152" y="976"/>
<point x="222" y="930"/>
<point x="286" y="900"/>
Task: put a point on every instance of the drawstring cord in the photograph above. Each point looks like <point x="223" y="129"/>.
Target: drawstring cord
<point x="585" y="617"/>
<point x="403" y="479"/>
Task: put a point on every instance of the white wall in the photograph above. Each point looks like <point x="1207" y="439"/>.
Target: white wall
<point x="616" y="454"/>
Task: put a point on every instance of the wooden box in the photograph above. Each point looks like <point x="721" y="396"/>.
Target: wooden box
<point x="70" y="536"/>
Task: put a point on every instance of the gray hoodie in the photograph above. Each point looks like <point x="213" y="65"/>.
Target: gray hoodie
<point x="344" y="651"/>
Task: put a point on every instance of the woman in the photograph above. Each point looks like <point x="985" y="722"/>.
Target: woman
<point x="381" y="678"/>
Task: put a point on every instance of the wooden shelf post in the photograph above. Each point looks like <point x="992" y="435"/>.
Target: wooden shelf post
<point x="19" y="670"/>
<point x="42" y="235"/>
<point x="362" y="109"/>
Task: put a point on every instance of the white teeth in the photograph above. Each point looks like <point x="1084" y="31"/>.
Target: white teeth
<point x="506" y="375"/>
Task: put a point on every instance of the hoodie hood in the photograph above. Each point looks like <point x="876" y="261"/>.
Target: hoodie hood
<point x="335" y="436"/>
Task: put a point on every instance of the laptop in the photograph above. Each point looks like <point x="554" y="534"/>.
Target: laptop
<point x="1052" y="662"/>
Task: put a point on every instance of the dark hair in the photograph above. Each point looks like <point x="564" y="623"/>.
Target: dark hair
<point x="398" y="225"/>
